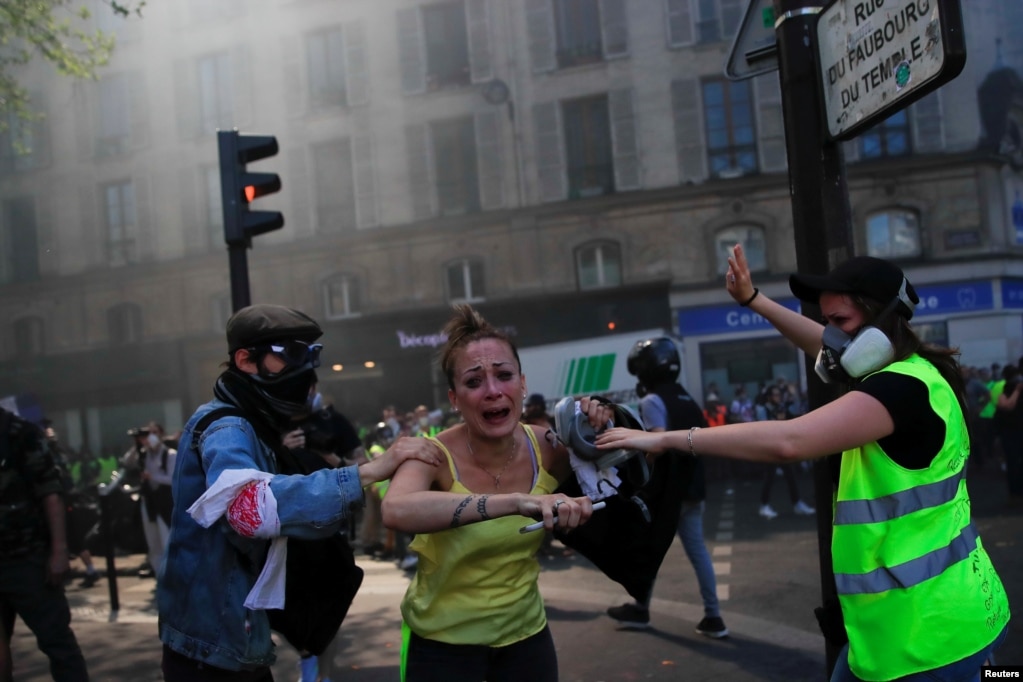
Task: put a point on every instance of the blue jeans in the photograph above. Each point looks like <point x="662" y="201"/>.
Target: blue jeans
<point x="690" y="532"/>
<point x="965" y="670"/>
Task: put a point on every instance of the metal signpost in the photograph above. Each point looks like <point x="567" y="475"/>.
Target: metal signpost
<point x="851" y="64"/>
<point x="878" y="56"/>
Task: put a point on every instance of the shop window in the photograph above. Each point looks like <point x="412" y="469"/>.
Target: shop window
<point x="599" y="265"/>
<point x="465" y="280"/>
<point x="124" y="324"/>
<point x="888" y="138"/>
<point x="590" y="161"/>
<point x="19" y="248"/>
<point x="29" y="337"/>
<point x="893" y="233"/>
<point x="731" y="139"/>
<point x="754" y="245"/>
<point x="341" y="294"/>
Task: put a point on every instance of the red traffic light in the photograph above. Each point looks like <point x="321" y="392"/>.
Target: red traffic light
<point x="250" y="193"/>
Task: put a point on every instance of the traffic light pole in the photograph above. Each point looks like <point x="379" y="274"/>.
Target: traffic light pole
<point x="821" y="222"/>
<point x="238" y="187"/>
<point x="238" y="263"/>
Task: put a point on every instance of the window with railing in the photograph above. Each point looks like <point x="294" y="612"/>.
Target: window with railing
<point x="578" y="32"/>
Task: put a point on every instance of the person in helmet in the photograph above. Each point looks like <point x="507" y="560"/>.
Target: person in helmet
<point x="665" y="404"/>
<point x="907" y="558"/>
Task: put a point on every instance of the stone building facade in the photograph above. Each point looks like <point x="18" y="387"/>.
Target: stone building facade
<point x="576" y="168"/>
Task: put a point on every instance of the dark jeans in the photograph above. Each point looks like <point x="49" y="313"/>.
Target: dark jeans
<point x="44" y="608"/>
<point x="179" y="668"/>
<point x="532" y="659"/>
<point x="790" y="480"/>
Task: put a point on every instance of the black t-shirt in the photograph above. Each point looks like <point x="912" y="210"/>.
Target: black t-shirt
<point x="919" y="432"/>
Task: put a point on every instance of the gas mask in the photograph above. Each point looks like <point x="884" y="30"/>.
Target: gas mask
<point x="843" y="358"/>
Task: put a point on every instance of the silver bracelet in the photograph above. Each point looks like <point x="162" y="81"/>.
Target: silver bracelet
<point x="692" y="450"/>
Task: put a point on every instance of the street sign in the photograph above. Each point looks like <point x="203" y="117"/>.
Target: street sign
<point x="755" y="48"/>
<point x="878" y="56"/>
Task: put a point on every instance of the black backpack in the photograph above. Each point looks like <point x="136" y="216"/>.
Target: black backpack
<point x="322" y="577"/>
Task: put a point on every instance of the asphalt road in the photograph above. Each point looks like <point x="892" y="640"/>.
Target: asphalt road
<point x="768" y="583"/>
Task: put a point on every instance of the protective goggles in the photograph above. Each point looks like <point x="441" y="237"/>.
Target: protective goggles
<point x="295" y="353"/>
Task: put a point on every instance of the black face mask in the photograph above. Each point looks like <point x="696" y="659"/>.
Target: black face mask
<point x="287" y="393"/>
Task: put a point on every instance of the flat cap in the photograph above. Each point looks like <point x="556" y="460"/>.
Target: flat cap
<point x="265" y="323"/>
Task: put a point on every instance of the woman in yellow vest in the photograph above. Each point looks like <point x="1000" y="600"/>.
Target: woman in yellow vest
<point x="474" y="611"/>
<point x="919" y="596"/>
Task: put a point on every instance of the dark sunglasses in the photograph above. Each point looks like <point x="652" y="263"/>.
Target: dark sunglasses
<point x="295" y="353"/>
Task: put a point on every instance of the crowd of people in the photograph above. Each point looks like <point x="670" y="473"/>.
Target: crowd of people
<point x="254" y="511"/>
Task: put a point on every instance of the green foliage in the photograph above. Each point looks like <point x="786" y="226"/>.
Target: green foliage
<point x="56" y="31"/>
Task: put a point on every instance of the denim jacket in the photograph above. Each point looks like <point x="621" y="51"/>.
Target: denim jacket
<point x="208" y="572"/>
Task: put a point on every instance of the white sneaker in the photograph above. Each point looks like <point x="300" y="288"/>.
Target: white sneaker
<point x="803" y="509"/>
<point x="767" y="511"/>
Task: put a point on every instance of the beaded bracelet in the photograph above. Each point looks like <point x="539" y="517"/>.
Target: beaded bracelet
<point x="692" y="450"/>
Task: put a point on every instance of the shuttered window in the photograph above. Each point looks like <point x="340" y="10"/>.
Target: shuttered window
<point x="124" y="324"/>
<point x="446" y="45"/>
<point x="454" y="154"/>
<point x="325" y="57"/>
<point x="29" y="337"/>
<point x="731" y="138"/>
<point x="335" y="186"/>
<point x="566" y="33"/>
<point x="588" y="152"/>
<point x="121" y="222"/>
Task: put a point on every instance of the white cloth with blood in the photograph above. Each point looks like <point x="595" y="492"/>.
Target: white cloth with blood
<point x="245" y="498"/>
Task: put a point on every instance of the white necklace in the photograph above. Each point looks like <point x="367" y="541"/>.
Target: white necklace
<point x="507" y="462"/>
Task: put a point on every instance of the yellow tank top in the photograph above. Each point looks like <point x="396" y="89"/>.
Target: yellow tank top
<point x="477" y="584"/>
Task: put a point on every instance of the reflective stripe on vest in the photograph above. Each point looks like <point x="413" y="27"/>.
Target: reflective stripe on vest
<point x="898" y="504"/>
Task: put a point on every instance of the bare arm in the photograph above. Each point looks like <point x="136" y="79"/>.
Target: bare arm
<point x="848" y="422"/>
<point x="413" y="504"/>
<point x="1008" y="402"/>
<point x="800" y="330"/>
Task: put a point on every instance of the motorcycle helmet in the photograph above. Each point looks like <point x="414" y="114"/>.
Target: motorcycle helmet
<point x="654" y="361"/>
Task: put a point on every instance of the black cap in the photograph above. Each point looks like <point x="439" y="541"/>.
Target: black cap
<point x="873" y="278"/>
<point x="537" y="400"/>
<point x="265" y="323"/>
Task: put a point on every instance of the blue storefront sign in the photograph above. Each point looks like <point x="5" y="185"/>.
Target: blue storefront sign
<point x="935" y="299"/>
<point x="721" y="319"/>
<point x="1012" y="293"/>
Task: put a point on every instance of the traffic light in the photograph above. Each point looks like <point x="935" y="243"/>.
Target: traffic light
<point x="239" y="186"/>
